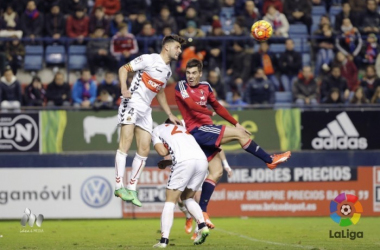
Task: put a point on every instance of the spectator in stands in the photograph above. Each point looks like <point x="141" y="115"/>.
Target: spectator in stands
<point x="228" y="16"/>
<point x="370" y="19"/>
<point x="147" y="32"/>
<point x="349" y="40"/>
<point x="214" y="47"/>
<point x="278" y="21"/>
<point x="116" y="22"/>
<point x="236" y="100"/>
<point x="345" y="13"/>
<point x="10" y="91"/>
<point x="369" y="51"/>
<point x="15" y="53"/>
<point x="357" y="6"/>
<point x="98" y="19"/>
<point x="251" y="14"/>
<point x="259" y="89"/>
<point x="370" y="82"/>
<point x="175" y="7"/>
<point x="268" y="62"/>
<point x="334" y="80"/>
<point x="10" y="19"/>
<point x="34" y="94"/>
<point x="77" y="25"/>
<point x="55" y="23"/>
<point x="138" y="23"/>
<point x="32" y="21"/>
<point x="166" y="31"/>
<point x="70" y="7"/>
<point x="348" y="70"/>
<point x="111" y="6"/>
<point x="359" y="97"/>
<point x="58" y="91"/>
<point x="278" y="5"/>
<point x="124" y="45"/>
<point x="299" y="11"/>
<point x="290" y="63"/>
<point x="84" y="90"/>
<point x="107" y="93"/>
<point x="164" y="19"/>
<point x="191" y="31"/>
<point x="239" y="66"/>
<point x="324" y="44"/>
<point x="240" y="31"/>
<point x="131" y="8"/>
<point x="210" y="9"/>
<point x="334" y="97"/>
<point x="305" y="88"/>
<point x="376" y="96"/>
<point x="190" y="15"/>
<point x="214" y="79"/>
<point x="98" y="54"/>
<point x="45" y="5"/>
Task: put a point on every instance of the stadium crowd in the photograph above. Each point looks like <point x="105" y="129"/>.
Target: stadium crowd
<point x="344" y="65"/>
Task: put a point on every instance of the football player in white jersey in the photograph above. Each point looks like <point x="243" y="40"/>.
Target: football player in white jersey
<point x="135" y="118"/>
<point x="189" y="169"/>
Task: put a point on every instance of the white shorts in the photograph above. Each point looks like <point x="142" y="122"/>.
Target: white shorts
<point x="188" y="174"/>
<point x="139" y="115"/>
<point x="200" y="187"/>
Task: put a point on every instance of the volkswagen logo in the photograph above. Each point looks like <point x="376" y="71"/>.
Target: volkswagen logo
<point x="96" y="192"/>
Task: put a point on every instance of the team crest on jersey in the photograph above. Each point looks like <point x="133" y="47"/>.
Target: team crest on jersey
<point x="129" y="118"/>
<point x="138" y="59"/>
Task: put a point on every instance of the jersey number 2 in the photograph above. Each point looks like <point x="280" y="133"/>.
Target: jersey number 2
<point x="175" y="131"/>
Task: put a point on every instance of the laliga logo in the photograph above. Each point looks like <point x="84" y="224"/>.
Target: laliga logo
<point x="346" y="210"/>
<point x="21" y="132"/>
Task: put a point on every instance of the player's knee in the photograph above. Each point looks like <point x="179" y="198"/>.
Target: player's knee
<point x="143" y="150"/>
<point x="216" y="174"/>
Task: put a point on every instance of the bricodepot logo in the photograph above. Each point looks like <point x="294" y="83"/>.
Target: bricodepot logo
<point x="346" y="210"/>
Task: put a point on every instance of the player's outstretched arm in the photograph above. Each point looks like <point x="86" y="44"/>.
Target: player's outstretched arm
<point x="123" y="75"/>
<point x="161" y="98"/>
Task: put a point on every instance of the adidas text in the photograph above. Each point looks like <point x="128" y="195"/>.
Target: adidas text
<point x="339" y="143"/>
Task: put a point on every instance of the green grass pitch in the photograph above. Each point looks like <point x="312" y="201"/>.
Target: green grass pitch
<point x="230" y="233"/>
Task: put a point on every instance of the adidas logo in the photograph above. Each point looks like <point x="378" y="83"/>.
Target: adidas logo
<point x="339" y="134"/>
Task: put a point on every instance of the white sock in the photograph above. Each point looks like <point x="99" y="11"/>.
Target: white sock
<point x="167" y="217"/>
<point x="120" y="160"/>
<point x="138" y="165"/>
<point x="183" y="208"/>
<point x="194" y="209"/>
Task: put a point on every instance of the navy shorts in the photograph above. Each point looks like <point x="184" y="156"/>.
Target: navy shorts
<point x="209" y="138"/>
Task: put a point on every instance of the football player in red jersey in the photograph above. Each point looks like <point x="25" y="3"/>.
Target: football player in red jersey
<point x="192" y="97"/>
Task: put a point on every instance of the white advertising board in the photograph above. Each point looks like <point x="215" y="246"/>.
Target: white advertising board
<point x="59" y="193"/>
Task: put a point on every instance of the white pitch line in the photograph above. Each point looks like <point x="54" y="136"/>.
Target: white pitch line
<point x="263" y="241"/>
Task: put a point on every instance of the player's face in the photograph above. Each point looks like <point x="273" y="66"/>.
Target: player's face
<point x="174" y="49"/>
<point x="193" y="76"/>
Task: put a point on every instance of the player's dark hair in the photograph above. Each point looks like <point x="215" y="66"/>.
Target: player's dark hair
<point x="173" y="38"/>
<point x="194" y="63"/>
<point x="168" y="121"/>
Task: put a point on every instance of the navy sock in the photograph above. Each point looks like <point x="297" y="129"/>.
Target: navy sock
<point x="207" y="190"/>
<point x="256" y="150"/>
<point x="201" y="225"/>
<point x="164" y="240"/>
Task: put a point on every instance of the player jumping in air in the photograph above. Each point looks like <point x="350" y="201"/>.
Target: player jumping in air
<point x="189" y="168"/>
<point x="135" y="118"/>
<point x="192" y="97"/>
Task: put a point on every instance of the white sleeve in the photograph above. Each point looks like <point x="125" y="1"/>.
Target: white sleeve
<point x="155" y="137"/>
<point x="140" y="63"/>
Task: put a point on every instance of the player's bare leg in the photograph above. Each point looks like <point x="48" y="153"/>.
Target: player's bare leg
<point x="215" y="170"/>
<point x="233" y="133"/>
<point x="195" y="210"/>
<point x="126" y="137"/>
<point x="143" y="139"/>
